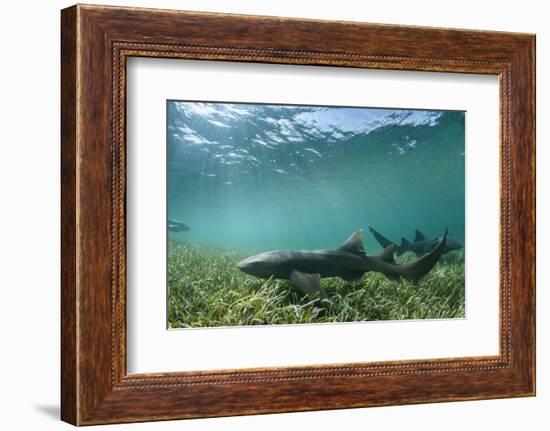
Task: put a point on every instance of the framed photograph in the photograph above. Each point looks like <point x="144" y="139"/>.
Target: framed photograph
<point x="287" y="177"/>
<point x="264" y="214"/>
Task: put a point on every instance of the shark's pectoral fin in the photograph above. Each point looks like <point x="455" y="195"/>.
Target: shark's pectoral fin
<point x="306" y="283"/>
<point x="352" y="276"/>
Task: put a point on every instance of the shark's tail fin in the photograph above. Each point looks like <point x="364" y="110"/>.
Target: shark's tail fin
<point x="382" y="240"/>
<point x="415" y="270"/>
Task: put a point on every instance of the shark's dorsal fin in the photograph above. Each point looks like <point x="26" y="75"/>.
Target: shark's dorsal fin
<point x="387" y="254"/>
<point x="354" y="244"/>
<point x="404" y="242"/>
<point x="382" y="240"/>
<point x="419" y="236"/>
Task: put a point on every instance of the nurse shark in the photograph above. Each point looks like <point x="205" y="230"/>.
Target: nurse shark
<point x="421" y="244"/>
<point x="305" y="268"/>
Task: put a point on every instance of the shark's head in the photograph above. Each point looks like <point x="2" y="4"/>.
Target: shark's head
<point x="263" y="265"/>
<point x="176" y="226"/>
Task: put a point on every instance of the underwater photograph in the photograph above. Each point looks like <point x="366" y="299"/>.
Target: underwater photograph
<point x="293" y="214"/>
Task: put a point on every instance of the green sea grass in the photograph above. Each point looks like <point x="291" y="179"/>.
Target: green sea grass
<point x="206" y="289"/>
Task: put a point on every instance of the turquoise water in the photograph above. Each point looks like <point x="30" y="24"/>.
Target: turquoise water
<point x="261" y="177"/>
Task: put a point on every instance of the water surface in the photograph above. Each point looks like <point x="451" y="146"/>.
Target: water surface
<point x="259" y="177"/>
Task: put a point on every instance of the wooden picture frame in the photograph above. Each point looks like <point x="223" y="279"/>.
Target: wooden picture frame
<point x="95" y="43"/>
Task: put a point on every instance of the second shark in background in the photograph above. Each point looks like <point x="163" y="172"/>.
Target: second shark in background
<point x="421" y="244"/>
